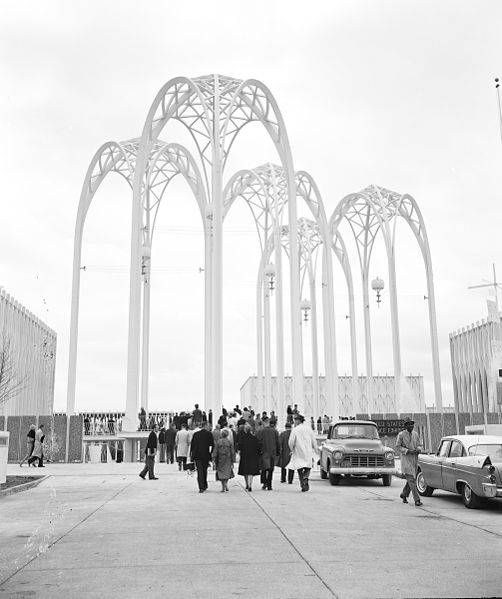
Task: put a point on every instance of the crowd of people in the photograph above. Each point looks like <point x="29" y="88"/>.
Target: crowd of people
<point x="240" y="435"/>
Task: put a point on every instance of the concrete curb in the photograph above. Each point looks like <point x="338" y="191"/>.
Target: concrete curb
<point x="23" y="487"/>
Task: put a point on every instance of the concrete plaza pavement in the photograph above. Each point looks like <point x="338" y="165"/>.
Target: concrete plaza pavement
<point x="97" y="530"/>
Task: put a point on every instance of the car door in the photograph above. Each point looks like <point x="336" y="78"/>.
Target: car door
<point x="432" y="469"/>
<point x="450" y="465"/>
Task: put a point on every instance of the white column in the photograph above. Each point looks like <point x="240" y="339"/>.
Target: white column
<point x="217" y="307"/>
<point x="208" y="313"/>
<point x="268" y="364"/>
<point x="259" y="340"/>
<point x="279" y="328"/>
<point x="133" y="346"/>
<point x="315" y="352"/>
<point x="367" y="341"/>
<point x="145" y="353"/>
<point x="296" y="319"/>
<point x="396" y="349"/>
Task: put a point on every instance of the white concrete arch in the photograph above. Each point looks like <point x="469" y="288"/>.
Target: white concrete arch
<point x="368" y="212"/>
<point x="214" y="108"/>
<point x="165" y="162"/>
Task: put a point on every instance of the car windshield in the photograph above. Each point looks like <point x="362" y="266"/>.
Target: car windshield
<point x="355" y="431"/>
<point x="494" y="450"/>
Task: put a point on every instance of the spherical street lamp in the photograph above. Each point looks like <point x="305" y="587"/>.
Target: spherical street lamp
<point x="306" y="306"/>
<point x="377" y="285"/>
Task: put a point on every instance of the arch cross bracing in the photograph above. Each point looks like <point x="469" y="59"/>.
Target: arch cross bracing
<point x="373" y="210"/>
<point x="165" y="162"/>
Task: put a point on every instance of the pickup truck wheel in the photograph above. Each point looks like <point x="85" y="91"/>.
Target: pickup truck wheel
<point x="387" y="480"/>
<point x="422" y="487"/>
<point x="324" y="474"/>
<point x="470" y="499"/>
<point x="334" y="479"/>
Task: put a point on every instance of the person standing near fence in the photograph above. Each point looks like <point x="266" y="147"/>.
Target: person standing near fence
<point x="30" y="443"/>
<point x="150" y="453"/>
<point x="409" y="446"/>
<point x="162" y="444"/>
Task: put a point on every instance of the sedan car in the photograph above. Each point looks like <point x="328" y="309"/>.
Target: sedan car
<point x="354" y="449"/>
<point x="470" y="465"/>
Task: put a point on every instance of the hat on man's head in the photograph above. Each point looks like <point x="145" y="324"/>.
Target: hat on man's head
<point x="408" y="421"/>
<point x="299" y="417"/>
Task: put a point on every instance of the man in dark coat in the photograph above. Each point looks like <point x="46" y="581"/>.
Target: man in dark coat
<point x="150" y="453"/>
<point x="162" y="444"/>
<point x="285" y="454"/>
<point x="201" y="449"/>
<point x="170" y="437"/>
<point x="196" y="416"/>
<point x="269" y="440"/>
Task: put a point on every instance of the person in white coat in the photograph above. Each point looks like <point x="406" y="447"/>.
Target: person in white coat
<point x="303" y="445"/>
<point x="182" y="445"/>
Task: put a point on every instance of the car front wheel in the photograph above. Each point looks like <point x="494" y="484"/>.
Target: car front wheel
<point x="470" y="499"/>
<point x="334" y="479"/>
<point x="422" y="487"/>
<point x="324" y="474"/>
<point x="387" y="480"/>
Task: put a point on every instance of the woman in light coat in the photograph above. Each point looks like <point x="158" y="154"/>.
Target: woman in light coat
<point x="303" y="445"/>
<point x="224" y="457"/>
<point x="38" y="448"/>
<point x="182" y="445"/>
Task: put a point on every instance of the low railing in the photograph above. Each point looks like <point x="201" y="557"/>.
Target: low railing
<point x="110" y="423"/>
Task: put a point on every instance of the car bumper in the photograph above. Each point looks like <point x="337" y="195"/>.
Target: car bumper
<point x="491" y="490"/>
<point x="362" y="471"/>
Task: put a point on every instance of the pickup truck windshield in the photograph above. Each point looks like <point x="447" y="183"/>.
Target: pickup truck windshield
<point x="354" y="431"/>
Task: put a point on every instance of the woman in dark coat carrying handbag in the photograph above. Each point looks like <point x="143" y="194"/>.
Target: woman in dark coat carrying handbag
<point x="250" y="450"/>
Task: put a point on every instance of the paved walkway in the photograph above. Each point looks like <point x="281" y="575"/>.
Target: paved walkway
<point x="97" y="530"/>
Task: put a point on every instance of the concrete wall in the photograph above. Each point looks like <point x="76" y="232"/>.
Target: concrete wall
<point x="31" y="346"/>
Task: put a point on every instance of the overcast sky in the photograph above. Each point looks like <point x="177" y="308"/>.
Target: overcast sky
<point x="395" y="93"/>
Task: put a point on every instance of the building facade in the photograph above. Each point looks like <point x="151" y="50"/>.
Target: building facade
<point x="476" y="362"/>
<point x="27" y="361"/>
<point x="384" y="398"/>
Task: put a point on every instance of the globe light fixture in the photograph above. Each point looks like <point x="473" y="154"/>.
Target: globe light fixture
<point x="306" y="306"/>
<point x="377" y="285"/>
<point x="269" y="272"/>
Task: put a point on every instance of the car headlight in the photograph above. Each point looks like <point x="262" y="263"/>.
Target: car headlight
<point x="491" y="468"/>
<point x="389" y="456"/>
<point x="338" y="455"/>
<point x="492" y="479"/>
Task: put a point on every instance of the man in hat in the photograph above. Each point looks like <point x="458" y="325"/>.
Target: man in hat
<point x="303" y="445"/>
<point x="408" y="445"/>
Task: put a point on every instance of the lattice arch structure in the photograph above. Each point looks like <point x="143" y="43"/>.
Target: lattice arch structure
<point x="369" y="212"/>
<point x="264" y="189"/>
<point x="214" y="109"/>
<point x="166" y="162"/>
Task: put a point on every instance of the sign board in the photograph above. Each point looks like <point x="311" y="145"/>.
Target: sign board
<point x="389" y="428"/>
